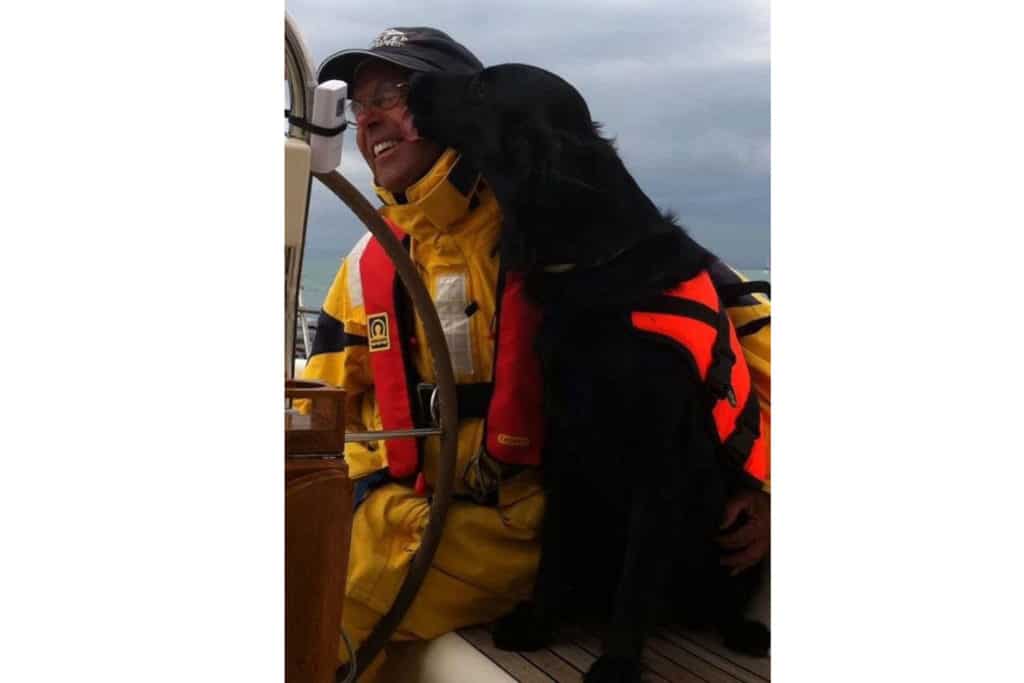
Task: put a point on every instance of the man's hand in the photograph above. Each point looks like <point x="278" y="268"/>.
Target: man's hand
<point x="746" y="545"/>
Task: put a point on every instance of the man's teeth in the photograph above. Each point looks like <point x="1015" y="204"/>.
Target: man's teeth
<point x="382" y="146"/>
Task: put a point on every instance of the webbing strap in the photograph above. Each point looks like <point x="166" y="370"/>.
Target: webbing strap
<point x="733" y="291"/>
<point x="719" y="378"/>
<point x="473" y="400"/>
<point x="754" y="326"/>
<point x="748" y="429"/>
<point x="686" y="308"/>
<point x="312" y="127"/>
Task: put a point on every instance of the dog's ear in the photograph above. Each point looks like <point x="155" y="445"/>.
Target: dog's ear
<point x="421" y="104"/>
<point x="531" y="151"/>
<point x="441" y="111"/>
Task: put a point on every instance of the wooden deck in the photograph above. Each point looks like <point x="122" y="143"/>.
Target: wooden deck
<point x="672" y="655"/>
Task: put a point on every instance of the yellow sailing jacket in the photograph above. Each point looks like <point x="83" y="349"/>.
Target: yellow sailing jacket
<point x="488" y="555"/>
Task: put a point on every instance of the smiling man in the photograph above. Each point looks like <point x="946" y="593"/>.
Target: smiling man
<point x="378" y="78"/>
<point x="397" y="156"/>
<point x="368" y="343"/>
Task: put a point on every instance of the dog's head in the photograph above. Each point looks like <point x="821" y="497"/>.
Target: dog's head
<point x="485" y="114"/>
<point x="565" y="195"/>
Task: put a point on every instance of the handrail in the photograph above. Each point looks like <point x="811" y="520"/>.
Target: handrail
<point x="300" y="76"/>
<point x="300" y="313"/>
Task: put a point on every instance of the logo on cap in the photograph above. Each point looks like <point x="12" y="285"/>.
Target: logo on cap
<point x="390" y="38"/>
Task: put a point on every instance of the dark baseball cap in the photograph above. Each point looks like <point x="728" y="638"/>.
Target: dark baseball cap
<point x="418" y="48"/>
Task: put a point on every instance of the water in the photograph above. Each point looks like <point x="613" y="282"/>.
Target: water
<point x="333" y="230"/>
<point x="319" y="266"/>
<point x="319" y="269"/>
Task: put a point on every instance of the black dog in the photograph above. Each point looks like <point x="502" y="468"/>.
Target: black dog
<point x="636" y="479"/>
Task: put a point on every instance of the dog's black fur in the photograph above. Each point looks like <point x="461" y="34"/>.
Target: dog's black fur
<point x="636" y="484"/>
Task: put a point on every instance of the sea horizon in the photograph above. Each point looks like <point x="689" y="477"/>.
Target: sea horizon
<point x="320" y="264"/>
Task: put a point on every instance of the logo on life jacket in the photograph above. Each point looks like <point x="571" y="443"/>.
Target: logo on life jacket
<point x="379" y="337"/>
<point x="514" y="441"/>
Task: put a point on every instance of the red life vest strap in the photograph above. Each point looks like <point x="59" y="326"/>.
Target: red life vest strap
<point x="719" y="379"/>
<point x="387" y="346"/>
<point x="515" y="416"/>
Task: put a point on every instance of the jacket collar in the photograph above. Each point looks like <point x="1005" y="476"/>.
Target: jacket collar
<point x="437" y="201"/>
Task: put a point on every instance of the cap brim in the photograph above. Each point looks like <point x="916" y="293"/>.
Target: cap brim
<point x="342" y="65"/>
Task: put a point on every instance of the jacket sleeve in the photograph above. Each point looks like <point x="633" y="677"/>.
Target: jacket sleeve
<point x="340" y="357"/>
<point x="757" y="348"/>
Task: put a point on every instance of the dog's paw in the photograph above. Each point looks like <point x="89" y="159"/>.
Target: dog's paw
<point x="747" y="637"/>
<point x="522" y="629"/>
<point x="609" y="669"/>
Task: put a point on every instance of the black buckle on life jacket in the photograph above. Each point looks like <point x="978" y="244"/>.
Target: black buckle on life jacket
<point x="748" y="428"/>
<point x="722" y="389"/>
<point x="719" y="378"/>
<point x="473" y="400"/>
<point x="429" y="408"/>
<point x="740" y="444"/>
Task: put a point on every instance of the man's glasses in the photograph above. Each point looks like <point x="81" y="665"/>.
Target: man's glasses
<point x="387" y="96"/>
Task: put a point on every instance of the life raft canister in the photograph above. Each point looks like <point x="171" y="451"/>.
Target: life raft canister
<point x="512" y="403"/>
<point x="692" y="316"/>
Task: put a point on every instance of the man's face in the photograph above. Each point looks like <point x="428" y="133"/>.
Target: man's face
<point x="397" y="156"/>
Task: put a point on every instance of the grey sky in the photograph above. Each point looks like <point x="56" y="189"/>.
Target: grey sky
<point x="684" y="87"/>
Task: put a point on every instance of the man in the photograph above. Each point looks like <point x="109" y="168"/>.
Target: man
<point x="489" y="553"/>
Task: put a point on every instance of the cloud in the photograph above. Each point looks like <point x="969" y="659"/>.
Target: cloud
<point x="684" y="88"/>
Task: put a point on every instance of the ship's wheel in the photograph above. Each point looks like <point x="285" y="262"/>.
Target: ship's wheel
<point x="300" y="76"/>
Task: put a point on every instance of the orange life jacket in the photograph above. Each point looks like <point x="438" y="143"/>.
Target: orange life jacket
<point x="511" y="405"/>
<point x="692" y="316"/>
